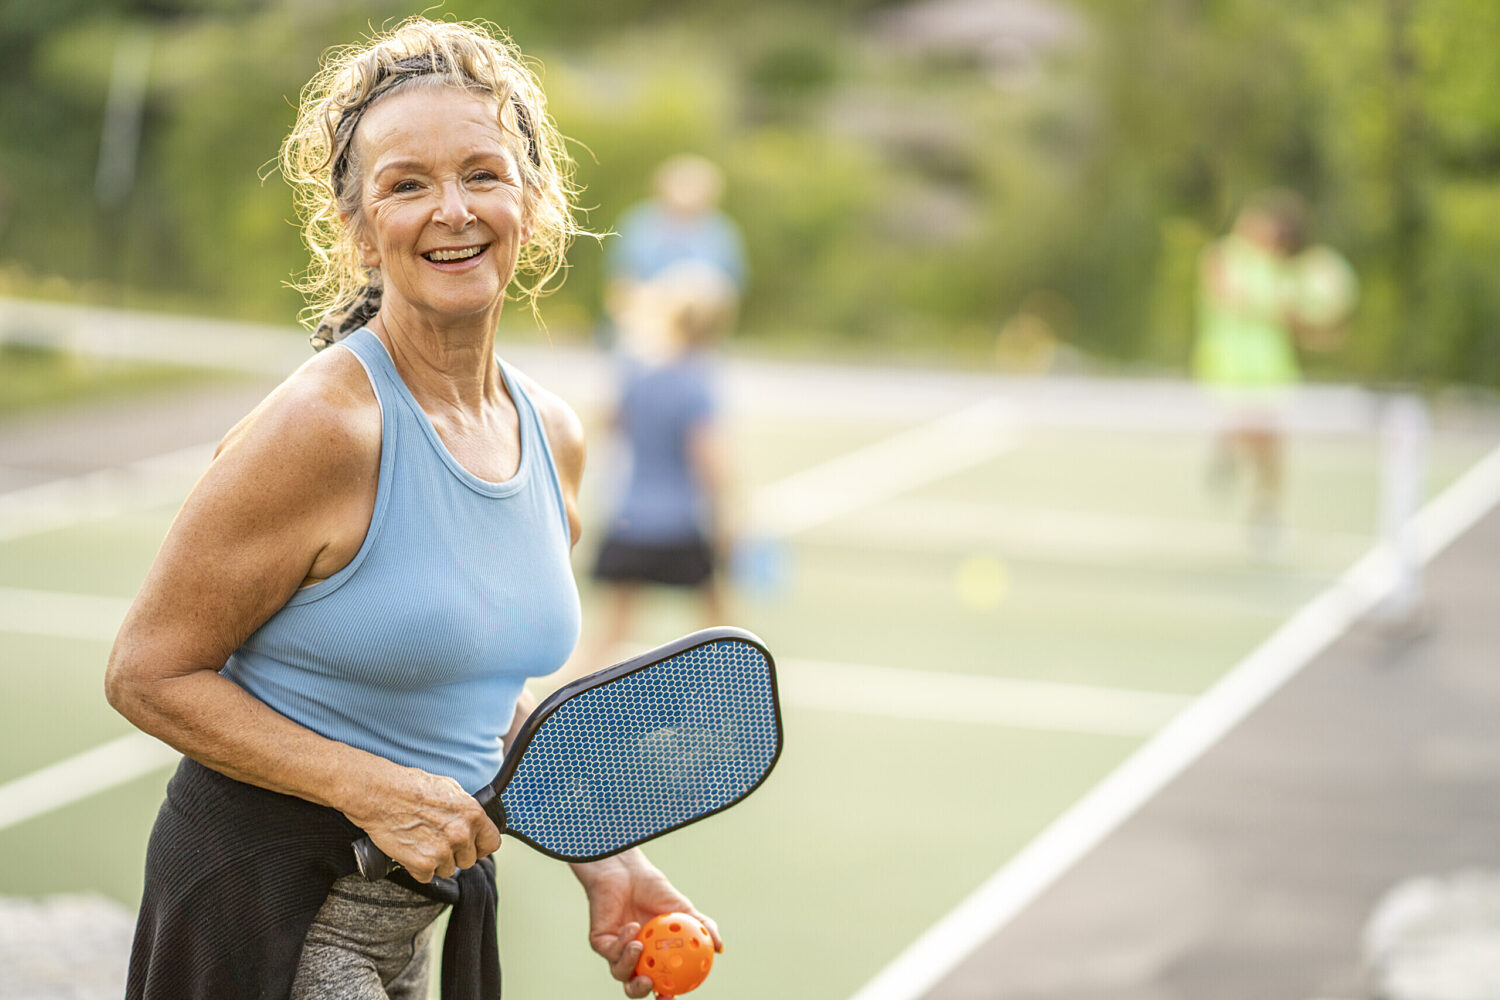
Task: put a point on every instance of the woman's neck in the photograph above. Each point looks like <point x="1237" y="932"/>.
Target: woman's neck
<point x="451" y="364"/>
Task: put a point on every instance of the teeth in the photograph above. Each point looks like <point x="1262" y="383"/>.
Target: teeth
<point x="463" y="254"/>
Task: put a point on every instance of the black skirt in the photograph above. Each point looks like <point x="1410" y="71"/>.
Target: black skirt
<point x="685" y="562"/>
<point x="235" y="875"/>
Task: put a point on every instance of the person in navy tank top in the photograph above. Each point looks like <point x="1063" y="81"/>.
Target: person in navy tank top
<point x="670" y="526"/>
<point x="340" y="621"/>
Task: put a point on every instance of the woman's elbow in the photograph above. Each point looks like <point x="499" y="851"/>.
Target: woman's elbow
<point x="126" y="683"/>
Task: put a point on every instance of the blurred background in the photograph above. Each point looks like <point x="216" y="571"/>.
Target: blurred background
<point x="983" y="527"/>
<point x="907" y="175"/>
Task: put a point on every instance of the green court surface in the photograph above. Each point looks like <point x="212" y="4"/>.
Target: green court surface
<point x="1082" y="563"/>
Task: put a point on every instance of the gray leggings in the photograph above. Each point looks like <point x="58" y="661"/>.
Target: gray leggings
<point x="370" y="941"/>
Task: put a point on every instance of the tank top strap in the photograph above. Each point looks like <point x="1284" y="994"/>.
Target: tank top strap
<point x="377" y="363"/>
<point x="538" y="464"/>
<point x="536" y="449"/>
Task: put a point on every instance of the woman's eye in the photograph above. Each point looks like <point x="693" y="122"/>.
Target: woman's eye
<point x="404" y="187"/>
<point x="483" y="176"/>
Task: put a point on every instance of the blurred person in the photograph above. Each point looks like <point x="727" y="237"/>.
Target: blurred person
<point x="337" y="627"/>
<point x="1265" y="294"/>
<point x="669" y="528"/>
<point x="680" y="222"/>
<point x="1028" y="342"/>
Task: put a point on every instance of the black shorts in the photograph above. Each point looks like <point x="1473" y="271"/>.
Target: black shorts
<point x="685" y="563"/>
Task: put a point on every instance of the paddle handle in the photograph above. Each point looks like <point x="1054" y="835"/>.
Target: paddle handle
<point x="374" y="864"/>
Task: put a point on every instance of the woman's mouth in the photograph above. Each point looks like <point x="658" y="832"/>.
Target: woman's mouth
<point x="450" y="255"/>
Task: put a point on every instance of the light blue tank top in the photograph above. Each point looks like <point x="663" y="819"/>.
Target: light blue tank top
<point x="418" y="649"/>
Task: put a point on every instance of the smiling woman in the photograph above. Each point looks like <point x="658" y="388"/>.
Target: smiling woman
<point x="320" y="156"/>
<point x="338" y="627"/>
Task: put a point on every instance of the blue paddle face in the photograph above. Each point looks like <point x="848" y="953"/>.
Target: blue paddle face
<point x="651" y="750"/>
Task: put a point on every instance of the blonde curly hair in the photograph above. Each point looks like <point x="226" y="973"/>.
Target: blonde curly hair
<point x="318" y="159"/>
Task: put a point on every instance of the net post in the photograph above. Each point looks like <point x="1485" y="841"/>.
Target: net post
<point x="1404" y="431"/>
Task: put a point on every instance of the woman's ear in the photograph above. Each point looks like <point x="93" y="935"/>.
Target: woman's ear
<point x="369" y="256"/>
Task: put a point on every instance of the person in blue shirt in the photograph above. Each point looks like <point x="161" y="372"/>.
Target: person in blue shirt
<point x="681" y="223"/>
<point x="669" y="526"/>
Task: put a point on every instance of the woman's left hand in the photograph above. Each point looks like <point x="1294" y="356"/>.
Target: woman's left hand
<point x="624" y="892"/>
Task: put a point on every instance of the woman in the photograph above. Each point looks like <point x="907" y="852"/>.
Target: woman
<point x="337" y="628"/>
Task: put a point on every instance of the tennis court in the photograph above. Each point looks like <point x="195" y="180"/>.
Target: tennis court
<point x="979" y="616"/>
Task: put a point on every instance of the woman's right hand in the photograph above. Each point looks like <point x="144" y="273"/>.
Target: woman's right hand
<point x="425" y="822"/>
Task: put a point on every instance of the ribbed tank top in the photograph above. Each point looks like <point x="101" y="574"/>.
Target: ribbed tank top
<point x="418" y="649"/>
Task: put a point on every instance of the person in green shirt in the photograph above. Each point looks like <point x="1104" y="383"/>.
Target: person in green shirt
<point x="1265" y="294"/>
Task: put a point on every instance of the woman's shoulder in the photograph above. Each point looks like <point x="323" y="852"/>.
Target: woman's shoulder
<point x="326" y="413"/>
<point x="564" y="430"/>
<point x="561" y="422"/>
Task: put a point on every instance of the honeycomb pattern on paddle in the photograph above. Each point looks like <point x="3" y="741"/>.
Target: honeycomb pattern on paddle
<point x="646" y="753"/>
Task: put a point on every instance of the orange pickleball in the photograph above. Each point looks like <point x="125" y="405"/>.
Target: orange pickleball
<point x="678" y="953"/>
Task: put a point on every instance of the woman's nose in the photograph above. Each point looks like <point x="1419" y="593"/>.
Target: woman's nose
<point x="453" y="207"/>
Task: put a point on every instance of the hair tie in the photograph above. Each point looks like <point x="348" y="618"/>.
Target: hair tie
<point x="337" y="324"/>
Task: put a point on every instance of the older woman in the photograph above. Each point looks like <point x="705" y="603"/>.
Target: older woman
<point x="338" y="626"/>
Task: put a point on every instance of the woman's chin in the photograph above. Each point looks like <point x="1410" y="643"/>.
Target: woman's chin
<point x="461" y="307"/>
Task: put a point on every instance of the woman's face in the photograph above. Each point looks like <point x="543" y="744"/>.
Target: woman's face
<point x="442" y="202"/>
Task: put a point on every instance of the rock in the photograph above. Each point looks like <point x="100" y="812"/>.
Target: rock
<point x="1436" y="938"/>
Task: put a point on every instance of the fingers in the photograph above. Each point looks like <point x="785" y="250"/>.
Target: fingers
<point x="713" y="928"/>
<point x="435" y="857"/>
<point x="466" y="849"/>
<point x="640" y="986"/>
<point x="488" y="840"/>
<point x="472" y="836"/>
<point x="465" y="844"/>
<point x="623" y="952"/>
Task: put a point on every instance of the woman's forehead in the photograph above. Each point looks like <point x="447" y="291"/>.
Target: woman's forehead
<point x="429" y="120"/>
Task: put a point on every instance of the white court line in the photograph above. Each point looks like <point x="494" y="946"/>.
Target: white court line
<point x="795" y="503"/>
<point x="925" y="524"/>
<point x="893" y="465"/>
<point x="141" y="485"/>
<point x="934" y="696"/>
<point x="100" y="769"/>
<point x="59" y="614"/>
<point x="859" y="689"/>
<point x="1459" y="507"/>
<point x="1186" y="738"/>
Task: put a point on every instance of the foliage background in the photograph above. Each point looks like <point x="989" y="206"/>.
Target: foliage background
<point x="905" y="188"/>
